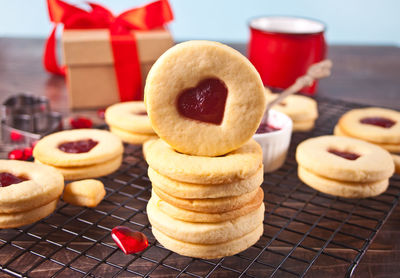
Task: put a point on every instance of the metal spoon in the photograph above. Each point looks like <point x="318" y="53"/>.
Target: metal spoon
<point x="315" y="71"/>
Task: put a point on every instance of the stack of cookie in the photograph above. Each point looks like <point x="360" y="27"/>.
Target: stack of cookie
<point x="28" y="192"/>
<point x="301" y="109"/>
<point x="129" y="121"/>
<point x="80" y="153"/>
<point x="375" y="125"/>
<point x="205" y="101"/>
<point x="344" y="167"/>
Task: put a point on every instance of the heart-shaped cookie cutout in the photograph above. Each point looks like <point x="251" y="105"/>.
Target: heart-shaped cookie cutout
<point x="128" y="240"/>
<point x="378" y="121"/>
<point x="205" y="102"/>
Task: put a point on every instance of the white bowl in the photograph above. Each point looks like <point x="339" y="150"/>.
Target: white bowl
<point x="275" y="144"/>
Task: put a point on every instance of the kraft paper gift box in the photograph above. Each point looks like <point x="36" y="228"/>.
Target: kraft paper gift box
<point x="91" y="78"/>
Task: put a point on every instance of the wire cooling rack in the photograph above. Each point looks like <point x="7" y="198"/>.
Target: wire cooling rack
<point x="303" y="229"/>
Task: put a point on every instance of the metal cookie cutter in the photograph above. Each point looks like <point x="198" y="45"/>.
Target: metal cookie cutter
<point x="26" y="118"/>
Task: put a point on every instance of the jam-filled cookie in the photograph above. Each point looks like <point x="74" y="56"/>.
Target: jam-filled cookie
<point x="377" y="125"/>
<point x="204" y="98"/>
<point x="237" y="165"/>
<point x="80" y="153"/>
<point x="25" y="186"/>
<point x="343" y="166"/>
<point x="129" y="121"/>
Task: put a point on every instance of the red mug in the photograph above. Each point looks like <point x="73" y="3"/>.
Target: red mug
<point x="283" y="48"/>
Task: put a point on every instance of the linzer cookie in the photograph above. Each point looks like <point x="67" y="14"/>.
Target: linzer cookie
<point x="204" y="98"/>
<point x="28" y="192"/>
<point x="344" y="166"/>
<point x="129" y="121"/>
<point x="80" y="153"/>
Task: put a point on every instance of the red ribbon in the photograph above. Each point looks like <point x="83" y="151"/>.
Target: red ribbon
<point x="123" y="43"/>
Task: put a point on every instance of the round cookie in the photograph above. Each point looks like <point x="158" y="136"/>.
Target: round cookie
<point x="209" y="251"/>
<point x="43" y="186"/>
<point x="198" y="191"/>
<point x="202" y="217"/>
<point x="210" y="205"/>
<point x="373" y="163"/>
<point x="204" y="233"/>
<point x="299" y="108"/>
<point x="204" y="98"/>
<point x="304" y="125"/>
<point x="90" y="171"/>
<point x="236" y="165"/>
<point x="18" y="219"/>
<point x="46" y="150"/>
<point x="130" y="116"/>
<point x="131" y="137"/>
<point x="396" y="160"/>
<point x="342" y="189"/>
<point x="389" y="147"/>
<point x="351" y="123"/>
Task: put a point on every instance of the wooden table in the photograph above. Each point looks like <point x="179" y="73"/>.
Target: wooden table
<point x="363" y="74"/>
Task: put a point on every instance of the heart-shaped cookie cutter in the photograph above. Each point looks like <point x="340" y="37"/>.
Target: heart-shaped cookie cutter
<point x="26" y="118"/>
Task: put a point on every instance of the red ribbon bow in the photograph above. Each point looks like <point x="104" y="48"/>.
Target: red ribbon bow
<point x="123" y="43"/>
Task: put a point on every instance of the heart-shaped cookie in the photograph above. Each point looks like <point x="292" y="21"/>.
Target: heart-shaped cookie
<point x="205" y="102"/>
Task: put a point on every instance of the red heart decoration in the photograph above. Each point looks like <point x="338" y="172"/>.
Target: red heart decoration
<point x="128" y="240"/>
<point x="205" y="102"/>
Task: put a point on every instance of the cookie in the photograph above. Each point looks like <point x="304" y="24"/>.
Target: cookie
<point x="209" y="251"/>
<point x="203" y="217"/>
<point x="389" y="147"/>
<point x="131" y="137"/>
<point x="344" y="159"/>
<point x="237" y="165"/>
<point x="82" y="147"/>
<point x="340" y="188"/>
<point x="204" y="233"/>
<point x="186" y="190"/>
<point x="85" y="193"/>
<point x="204" y="98"/>
<point x="396" y="160"/>
<point x="210" y="205"/>
<point x="39" y="186"/>
<point x="89" y="171"/>
<point x="299" y="108"/>
<point x="129" y="116"/>
<point x="373" y="124"/>
<point x="303" y="125"/>
<point x="18" y="219"/>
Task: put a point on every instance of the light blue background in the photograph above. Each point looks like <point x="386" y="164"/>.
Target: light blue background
<point x="348" y="21"/>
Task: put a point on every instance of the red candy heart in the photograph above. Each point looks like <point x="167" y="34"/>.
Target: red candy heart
<point x="15" y="136"/>
<point x="128" y="240"/>
<point x="80" y="122"/>
<point x="27" y="153"/>
<point x="205" y="102"/>
<point x="16" y="154"/>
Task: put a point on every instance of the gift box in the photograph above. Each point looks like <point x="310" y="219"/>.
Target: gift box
<point x="89" y="60"/>
<point x="107" y="57"/>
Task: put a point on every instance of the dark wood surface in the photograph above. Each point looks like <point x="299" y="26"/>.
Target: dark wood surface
<point x="363" y="74"/>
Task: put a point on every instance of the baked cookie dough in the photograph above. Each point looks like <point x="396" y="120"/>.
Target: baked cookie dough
<point x="366" y="163"/>
<point x="209" y="251"/>
<point x="132" y="137"/>
<point x="377" y="125"/>
<point x="204" y="98"/>
<point x="396" y="160"/>
<point x="304" y="125"/>
<point x="85" y="193"/>
<point x="204" y="233"/>
<point x="48" y="151"/>
<point x="204" y="217"/>
<point x="237" y="165"/>
<point x="41" y="186"/>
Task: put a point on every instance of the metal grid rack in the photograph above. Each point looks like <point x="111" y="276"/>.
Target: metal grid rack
<point x="303" y="229"/>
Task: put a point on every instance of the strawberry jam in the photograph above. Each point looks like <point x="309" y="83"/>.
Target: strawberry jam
<point x="346" y="155"/>
<point x="205" y="102"/>
<point x="141" y="113"/>
<point x="378" y="121"/>
<point x="80" y="146"/>
<point x="7" y="179"/>
<point x="266" y="128"/>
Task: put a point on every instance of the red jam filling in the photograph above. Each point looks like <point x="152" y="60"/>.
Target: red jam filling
<point x="80" y="146"/>
<point x="378" y="121"/>
<point x="205" y="102"/>
<point x="346" y="155"/>
<point x="7" y="179"/>
<point x="130" y="241"/>
<point x="266" y="128"/>
<point x="141" y="113"/>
